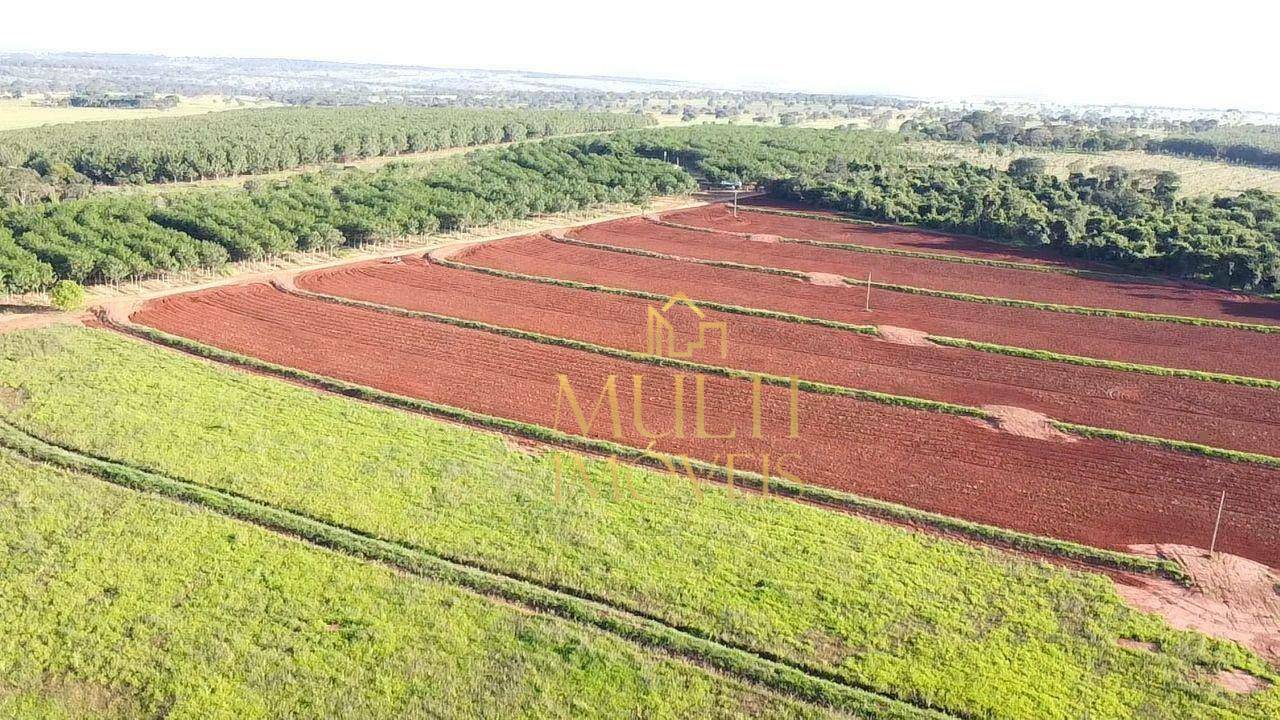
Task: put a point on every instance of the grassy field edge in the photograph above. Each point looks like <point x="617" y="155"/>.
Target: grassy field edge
<point x="804" y="683"/>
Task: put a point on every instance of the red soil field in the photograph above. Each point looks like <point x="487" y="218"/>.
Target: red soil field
<point x="718" y="216"/>
<point x="1236" y="417"/>
<point x="936" y="274"/>
<point x="1172" y="345"/>
<point x="1103" y="493"/>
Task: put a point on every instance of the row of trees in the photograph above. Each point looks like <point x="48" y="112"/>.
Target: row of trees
<point x="125" y="101"/>
<point x="723" y="153"/>
<point x="240" y="142"/>
<point x="1131" y="221"/>
<point x="112" y="237"/>
<point x="1248" y="144"/>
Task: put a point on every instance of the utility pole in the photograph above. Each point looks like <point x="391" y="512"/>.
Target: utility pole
<point x="1213" y="544"/>
<point x="735" y="201"/>
<point x="868" y="291"/>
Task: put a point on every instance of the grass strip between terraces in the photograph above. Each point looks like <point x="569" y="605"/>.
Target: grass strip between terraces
<point x="924" y="255"/>
<point x="663" y="461"/>
<point x="779" y="676"/>
<point x="820" y="388"/>
<point x="1167" y="444"/>
<point x="1050" y="356"/>
<point x="1010" y="350"/>
<point x="946" y="294"/>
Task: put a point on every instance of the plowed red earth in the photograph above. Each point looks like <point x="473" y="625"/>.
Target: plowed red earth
<point x="1172" y="345"/>
<point x="894" y="237"/>
<point x="1103" y="493"/>
<point x="1229" y="416"/>
<point x="936" y="274"/>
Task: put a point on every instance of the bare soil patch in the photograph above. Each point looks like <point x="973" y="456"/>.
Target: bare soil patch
<point x="904" y="336"/>
<point x="12" y="398"/>
<point x="1238" y="681"/>
<point x="1231" y="597"/>
<point x="826" y="279"/>
<point x="1026" y="423"/>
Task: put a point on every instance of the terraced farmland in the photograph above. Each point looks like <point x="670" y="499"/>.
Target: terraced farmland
<point x="1161" y="344"/>
<point x="1099" y="492"/>
<point x="1059" y="288"/>
<point x="1218" y="414"/>
<point x="892" y="618"/>
<point x="988" y="393"/>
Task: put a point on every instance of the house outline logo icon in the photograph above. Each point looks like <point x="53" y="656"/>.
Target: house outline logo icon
<point x="660" y="334"/>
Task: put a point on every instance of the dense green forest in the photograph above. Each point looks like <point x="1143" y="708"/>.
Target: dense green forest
<point x="241" y="142"/>
<point x="1132" y="221"/>
<point x="1249" y="144"/>
<point x="112" y="237"/>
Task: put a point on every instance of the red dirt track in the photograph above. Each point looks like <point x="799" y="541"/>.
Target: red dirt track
<point x="1165" y="344"/>
<point x="1236" y="417"/>
<point x="958" y="277"/>
<point x="1103" y="493"/>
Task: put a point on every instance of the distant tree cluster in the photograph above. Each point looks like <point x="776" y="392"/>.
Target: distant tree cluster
<point x="114" y="237"/>
<point x="990" y="127"/>
<point x="242" y="142"/>
<point x="1133" y="221"/>
<point x="126" y="101"/>
<point x="1247" y="144"/>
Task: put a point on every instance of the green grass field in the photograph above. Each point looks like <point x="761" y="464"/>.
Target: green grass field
<point x="120" y="605"/>
<point x="968" y="629"/>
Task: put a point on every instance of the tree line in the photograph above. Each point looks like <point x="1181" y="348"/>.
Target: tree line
<point x="242" y="142"/>
<point x="1131" y="221"/>
<point x="114" y="237"/>
<point x="1247" y="144"/>
<point x="725" y="153"/>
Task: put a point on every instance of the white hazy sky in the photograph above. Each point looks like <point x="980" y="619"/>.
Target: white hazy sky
<point x="1204" y="54"/>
